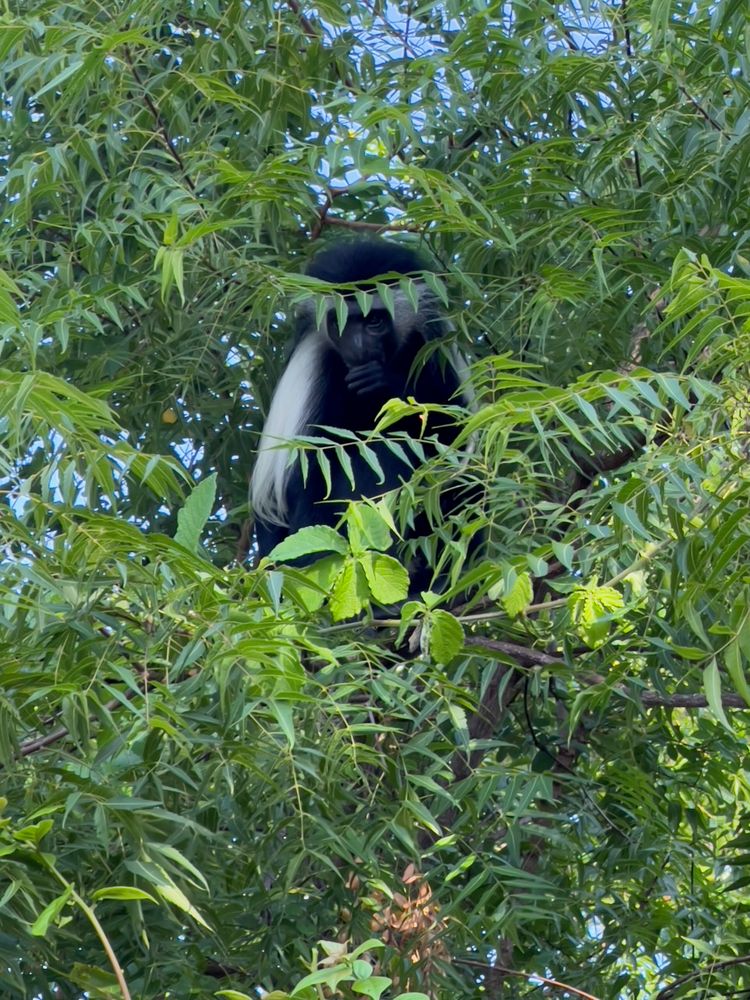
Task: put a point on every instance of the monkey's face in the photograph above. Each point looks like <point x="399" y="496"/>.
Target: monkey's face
<point x="364" y="338"/>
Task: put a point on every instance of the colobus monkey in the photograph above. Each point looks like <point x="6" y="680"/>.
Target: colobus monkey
<point x="342" y="378"/>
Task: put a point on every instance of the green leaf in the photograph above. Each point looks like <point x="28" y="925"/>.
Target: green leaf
<point x="59" y="78"/>
<point x="122" y="892"/>
<point x="34" y="833"/>
<point x="170" y="230"/>
<point x="520" y="595"/>
<point x="50" y="914"/>
<point x="192" y="518"/>
<point x="734" y="662"/>
<point x="172" y="854"/>
<point x="371" y="944"/>
<point x="387" y="579"/>
<point x="460" y="720"/>
<point x="178" y="898"/>
<point x="373" y="986"/>
<point x="309" y="541"/>
<point x="361" y="968"/>
<point x="349" y="594"/>
<point x="98" y="983"/>
<point x="328" y="977"/>
<point x="593" y="609"/>
<point x="283" y="712"/>
<point x="712" y="688"/>
<point x="320" y="576"/>
<point x="446" y="636"/>
<point x="8" y="309"/>
<point x="564" y="553"/>
<point x="11" y="35"/>
<point x="367" y="528"/>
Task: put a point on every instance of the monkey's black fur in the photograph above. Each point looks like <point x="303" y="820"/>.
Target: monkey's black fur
<point x="359" y="261"/>
<point x="342" y="379"/>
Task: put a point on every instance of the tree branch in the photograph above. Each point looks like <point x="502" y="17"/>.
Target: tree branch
<point x="704" y="114"/>
<point x="41" y="742"/>
<point x="375" y="227"/>
<point x="669" y="991"/>
<point x="488" y="971"/>
<point x="160" y="123"/>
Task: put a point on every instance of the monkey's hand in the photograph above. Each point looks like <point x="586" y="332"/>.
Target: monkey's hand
<point x="373" y="377"/>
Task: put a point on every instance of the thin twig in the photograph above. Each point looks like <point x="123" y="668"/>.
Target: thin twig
<point x="531" y="976"/>
<point x="704" y="114"/>
<point x="160" y="123"/>
<point x="670" y="990"/>
<point x="40" y="742"/>
<point x="376" y="227"/>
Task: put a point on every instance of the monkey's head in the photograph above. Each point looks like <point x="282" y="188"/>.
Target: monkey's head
<point x="361" y="261"/>
<point x="379" y="333"/>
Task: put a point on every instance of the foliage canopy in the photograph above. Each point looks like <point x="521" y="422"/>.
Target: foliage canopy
<point x="208" y="767"/>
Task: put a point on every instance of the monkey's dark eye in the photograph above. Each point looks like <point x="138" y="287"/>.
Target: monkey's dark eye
<point x="376" y="322"/>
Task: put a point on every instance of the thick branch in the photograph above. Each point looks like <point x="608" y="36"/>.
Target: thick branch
<point x="651" y="700"/>
<point x="523" y="655"/>
<point x="486" y="719"/>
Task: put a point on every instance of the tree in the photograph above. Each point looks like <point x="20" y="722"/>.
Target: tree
<point x="209" y="766"/>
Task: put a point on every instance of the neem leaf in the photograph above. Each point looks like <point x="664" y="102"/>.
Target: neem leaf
<point x="191" y="519"/>
<point x="50" y="913"/>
